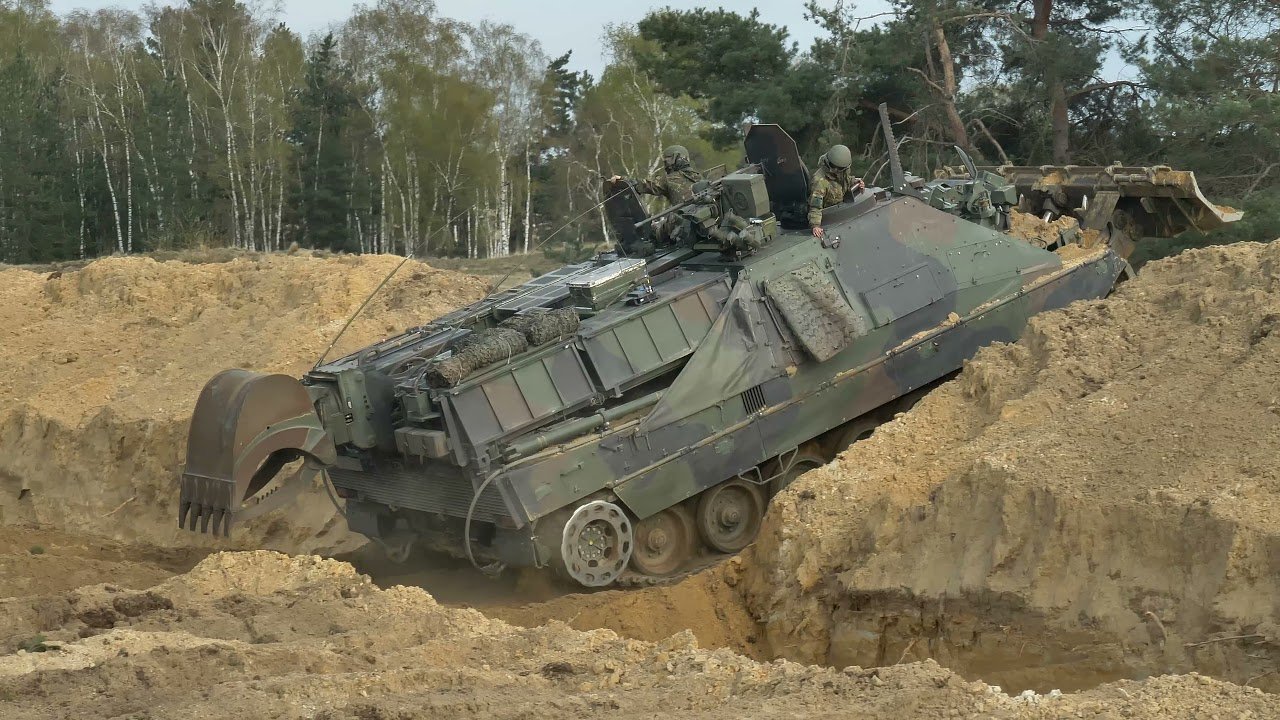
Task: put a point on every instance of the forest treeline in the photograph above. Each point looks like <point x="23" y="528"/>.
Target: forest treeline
<point x="209" y="123"/>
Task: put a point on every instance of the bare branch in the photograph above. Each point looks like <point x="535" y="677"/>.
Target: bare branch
<point x="1013" y="21"/>
<point x="864" y="18"/>
<point x="1258" y="180"/>
<point x="1250" y="636"/>
<point x="914" y="114"/>
<point x="932" y="84"/>
<point x="1106" y="85"/>
<point x="982" y="128"/>
<point x="900" y="115"/>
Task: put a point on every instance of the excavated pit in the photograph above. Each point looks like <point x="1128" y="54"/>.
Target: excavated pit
<point x="1096" y="501"/>
<point x="1083" y="510"/>
<point x="261" y="634"/>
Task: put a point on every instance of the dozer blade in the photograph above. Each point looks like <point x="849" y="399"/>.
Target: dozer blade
<point x="1144" y="201"/>
<point x="1171" y="197"/>
<point x="246" y="427"/>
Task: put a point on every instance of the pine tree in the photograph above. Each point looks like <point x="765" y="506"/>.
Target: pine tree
<point x="321" y="117"/>
<point x="34" y="195"/>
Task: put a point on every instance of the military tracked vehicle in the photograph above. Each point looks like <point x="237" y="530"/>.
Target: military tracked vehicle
<point x="623" y="416"/>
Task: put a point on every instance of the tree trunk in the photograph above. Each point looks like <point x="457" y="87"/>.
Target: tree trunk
<point x="1061" y="125"/>
<point x="982" y="128"/>
<point x="106" y="171"/>
<point x="528" y="197"/>
<point x="150" y="168"/>
<point x="80" y="191"/>
<point x="499" y="245"/>
<point x="381" y="243"/>
<point x="1059" y="119"/>
<point x="959" y="135"/>
<point x="191" y="126"/>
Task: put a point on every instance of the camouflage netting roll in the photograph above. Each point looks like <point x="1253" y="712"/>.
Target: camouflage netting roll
<point x="543" y="326"/>
<point x="475" y="351"/>
<point x="816" y="311"/>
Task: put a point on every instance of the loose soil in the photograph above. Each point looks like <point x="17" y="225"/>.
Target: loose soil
<point x="1099" y="500"/>
<point x="104" y="363"/>
<point x="265" y="635"/>
<point x="706" y="605"/>
<point x="1083" y="511"/>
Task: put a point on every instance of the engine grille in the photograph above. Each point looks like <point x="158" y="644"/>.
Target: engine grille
<point x="415" y="487"/>
<point x="753" y="399"/>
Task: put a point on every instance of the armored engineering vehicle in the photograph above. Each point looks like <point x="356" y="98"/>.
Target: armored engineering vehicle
<point x="622" y="416"/>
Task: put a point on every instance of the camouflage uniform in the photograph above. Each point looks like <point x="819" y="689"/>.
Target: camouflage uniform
<point x="675" y="185"/>
<point x="828" y="187"/>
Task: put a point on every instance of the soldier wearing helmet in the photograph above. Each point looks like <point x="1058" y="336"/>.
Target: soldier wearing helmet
<point x="673" y="181"/>
<point x="831" y="182"/>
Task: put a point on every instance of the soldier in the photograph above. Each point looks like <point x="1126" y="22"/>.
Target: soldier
<point x="674" y="181"/>
<point x="831" y="182"/>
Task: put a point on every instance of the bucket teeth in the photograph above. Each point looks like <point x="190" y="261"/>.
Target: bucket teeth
<point x="221" y="519"/>
<point x="205" y="501"/>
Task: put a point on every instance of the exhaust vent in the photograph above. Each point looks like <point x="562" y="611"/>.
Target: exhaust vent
<point x="753" y="400"/>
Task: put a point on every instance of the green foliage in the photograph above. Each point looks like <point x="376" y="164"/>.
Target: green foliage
<point x="573" y="250"/>
<point x="208" y="124"/>
<point x="37" y="550"/>
<point x="34" y="645"/>
<point x="736" y="65"/>
<point x="34" y="196"/>
<point x="322" y="114"/>
<point x="562" y="89"/>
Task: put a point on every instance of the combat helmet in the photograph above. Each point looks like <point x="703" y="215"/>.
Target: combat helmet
<point x="839" y="157"/>
<point x="675" y="157"/>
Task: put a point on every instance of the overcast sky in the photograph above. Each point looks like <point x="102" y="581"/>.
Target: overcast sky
<point x="560" y="25"/>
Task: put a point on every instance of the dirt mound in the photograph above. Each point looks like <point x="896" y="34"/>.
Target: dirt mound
<point x="1100" y="500"/>
<point x="1044" y="233"/>
<point x="252" y="634"/>
<point x="103" y="366"/>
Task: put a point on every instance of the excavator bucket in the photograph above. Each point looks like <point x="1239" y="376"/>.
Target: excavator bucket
<point x="246" y="427"/>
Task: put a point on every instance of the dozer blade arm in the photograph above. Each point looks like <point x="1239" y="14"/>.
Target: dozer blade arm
<point x="246" y="427"/>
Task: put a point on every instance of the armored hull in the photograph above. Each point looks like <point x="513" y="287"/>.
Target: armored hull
<point x="633" y="413"/>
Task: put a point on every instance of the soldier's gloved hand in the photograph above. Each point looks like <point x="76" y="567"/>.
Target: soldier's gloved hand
<point x="858" y="186"/>
<point x="615" y="178"/>
<point x="817" y="231"/>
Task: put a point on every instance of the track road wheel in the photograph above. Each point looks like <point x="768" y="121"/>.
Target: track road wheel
<point x="596" y="543"/>
<point x="805" y="460"/>
<point x="664" y="542"/>
<point x="729" y="515"/>
<point x="399" y="547"/>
